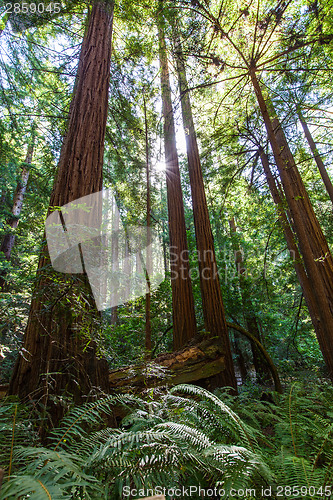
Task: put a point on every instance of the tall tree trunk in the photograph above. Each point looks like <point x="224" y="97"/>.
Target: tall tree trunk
<point x="303" y="279"/>
<point x="211" y="295"/>
<point x="148" y="250"/>
<point x="317" y="258"/>
<point x="320" y="164"/>
<point x="164" y="238"/>
<point x="262" y="371"/>
<point x="184" y="324"/>
<point x="58" y="356"/>
<point x="9" y="239"/>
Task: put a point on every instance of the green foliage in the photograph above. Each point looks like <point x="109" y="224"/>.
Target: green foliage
<point x="164" y="442"/>
<point x="185" y="436"/>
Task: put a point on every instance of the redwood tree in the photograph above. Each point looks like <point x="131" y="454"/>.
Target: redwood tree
<point x="211" y="295"/>
<point x="313" y="246"/>
<point x="305" y="283"/>
<point x="184" y="324"/>
<point x="58" y="354"/>
<point x="248" y="34"/>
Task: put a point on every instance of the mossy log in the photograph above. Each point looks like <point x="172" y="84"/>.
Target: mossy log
<point x="200" y="359"/>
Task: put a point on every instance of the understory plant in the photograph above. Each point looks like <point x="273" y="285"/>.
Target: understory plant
<point x="175" y="438"/>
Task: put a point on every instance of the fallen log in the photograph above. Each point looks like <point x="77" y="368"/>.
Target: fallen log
<point x="201" y="359"/>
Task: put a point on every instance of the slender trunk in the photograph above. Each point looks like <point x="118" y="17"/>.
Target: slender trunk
<point x="262" y="371"/>
<point x="211" y="295"/>
<point x="313" y="246"/>
<point x="127" y="269"/>
<point x="148" y="251"/>
<point x="316" y="155"/>
<point x="303" y="279"/>
<point x="240" y="358"/>
<point x="274" y="372"/>
<point x="9" y="239"/>
<point x="115" y="259"/>
<point x="164" y="239"/>
<point x="59" y="351"/>
<point x="184" y="324"/>
<point x="240" y="271"/>
<point x="165" y="256"/>
<point x="138" y="264"/>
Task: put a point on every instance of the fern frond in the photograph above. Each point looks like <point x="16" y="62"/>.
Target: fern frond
<point x="218" y="405"/>
<point x="29" y="486"/>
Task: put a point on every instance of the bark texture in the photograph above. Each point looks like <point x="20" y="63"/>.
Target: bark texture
<point x="198" y="360"/>
<point x="211" y="295"/>
<point x="303" y="279"/>
<point x="59" y="356"/>
<point x="316" y="254"/>
<point x="184" y="324"/>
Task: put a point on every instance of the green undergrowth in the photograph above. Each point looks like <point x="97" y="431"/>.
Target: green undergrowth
<point x="275" y="446"/>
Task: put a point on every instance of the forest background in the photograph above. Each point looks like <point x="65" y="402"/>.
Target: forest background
<point x="211" y="122"/>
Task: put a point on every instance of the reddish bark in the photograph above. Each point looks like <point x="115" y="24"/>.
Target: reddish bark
<point x="184" y="324"/>
<point x="211" y="295"/>
<point x="303" y="279"/>
<point x="317" y="257"/>
<point x="58" y="357"/>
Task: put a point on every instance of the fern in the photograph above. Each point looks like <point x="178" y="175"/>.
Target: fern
<point x="220" y="412"/>
<point x="186" y="436"/>
<point x="16" y="427"/>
